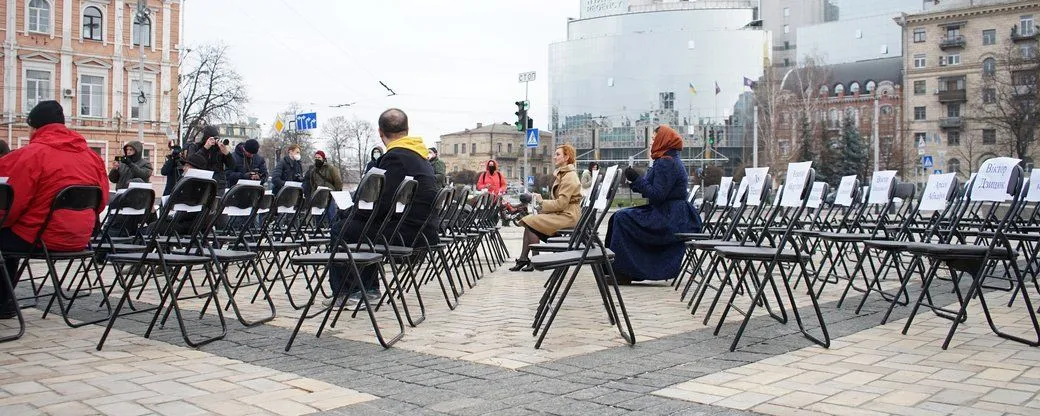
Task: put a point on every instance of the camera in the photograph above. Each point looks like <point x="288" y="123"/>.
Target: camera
<point x="119" y="158"/>
<point x="227" y="142"/>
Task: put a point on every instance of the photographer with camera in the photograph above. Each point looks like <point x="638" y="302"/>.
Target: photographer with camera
<point x="249" y="165"/>
<point x="216" y="152"/>
<point x="287" y="169"/>
<point x="130" y="166"/>
<point x="172" y="169"/>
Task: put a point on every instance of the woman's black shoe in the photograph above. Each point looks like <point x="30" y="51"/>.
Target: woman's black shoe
<point x="521" y="264"/>
<point x="528" y="268"/>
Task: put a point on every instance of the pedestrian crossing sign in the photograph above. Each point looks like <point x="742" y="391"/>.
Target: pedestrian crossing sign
<point x="532" y="138"/>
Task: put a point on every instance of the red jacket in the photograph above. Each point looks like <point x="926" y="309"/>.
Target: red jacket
<point x="56" y="157"/>
<point x="495" y="182"/>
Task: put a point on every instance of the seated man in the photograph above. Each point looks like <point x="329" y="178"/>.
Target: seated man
<point x="55" y="158"/>
<point x="404" y="156"/>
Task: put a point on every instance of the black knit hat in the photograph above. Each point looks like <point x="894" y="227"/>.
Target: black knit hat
<point x="46" y="112"/>
<point x="252" y="146"/>
<point x="210" y="131"/>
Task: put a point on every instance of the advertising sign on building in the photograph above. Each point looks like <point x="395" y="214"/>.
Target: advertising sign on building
<point x="596" y="8"/>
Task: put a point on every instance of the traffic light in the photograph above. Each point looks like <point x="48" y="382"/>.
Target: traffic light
<point x="521" y="115"/>
<point x="711" y="137"/>
<point x="530" y="123"/>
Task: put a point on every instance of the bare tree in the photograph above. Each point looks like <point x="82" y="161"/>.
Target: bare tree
<point x="362" y="138"/>
<point x="337" y="135"/>
<point x="789" y="104"/>
<point x="968" y="153"/>
<point x="210" y="90"/>
<point x="1008" y="99"/>
<point x="273" y="148"/>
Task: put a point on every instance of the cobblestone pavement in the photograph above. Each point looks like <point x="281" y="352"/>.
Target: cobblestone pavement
<point x="480" y="359"/>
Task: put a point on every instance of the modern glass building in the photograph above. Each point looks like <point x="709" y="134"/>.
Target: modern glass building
<point x="857" y="30"/>
<point x="628" y="66"/>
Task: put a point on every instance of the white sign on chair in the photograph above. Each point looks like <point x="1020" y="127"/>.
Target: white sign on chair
<point x="845" y="189"/>
<point x="604" y="188"/>
<point x="199" y="173"/>
<point x="723" y="194"/>
<point x="756" y="181"/>
<point x="881" y="186"/>
<point x="936" y="191"/>
<point x="1034" y="187"/>
<point x="816" y="195"/>
<point x="794" y="185"/>
<point x="991" y="183"/>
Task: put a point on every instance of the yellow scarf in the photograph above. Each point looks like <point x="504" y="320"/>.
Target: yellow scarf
<point x="414" y="144"/>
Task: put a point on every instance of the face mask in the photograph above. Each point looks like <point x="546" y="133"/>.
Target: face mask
<point x="295" y="157"/>
<point x="319" y="163"/>
<point x="491" y="169"/>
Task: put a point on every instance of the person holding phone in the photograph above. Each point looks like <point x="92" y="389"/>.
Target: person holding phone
<point x="216" y="152"/>
<point x="132" y="165"/>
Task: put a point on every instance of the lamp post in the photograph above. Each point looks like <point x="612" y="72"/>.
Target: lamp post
<point x="141" y="17"/>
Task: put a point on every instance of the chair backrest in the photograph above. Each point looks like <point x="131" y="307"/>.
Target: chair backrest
<point x="366" y="202"/>
<point x="133" y="202"/>
<point x="72" y="198"/>
<point x="402" y="205"/>
<point x="441" y="206"/>
<point x="242" y="200"/>
<point x="189" y="204"/>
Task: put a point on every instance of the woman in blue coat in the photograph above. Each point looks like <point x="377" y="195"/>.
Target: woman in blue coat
<point x="643" y="238"/>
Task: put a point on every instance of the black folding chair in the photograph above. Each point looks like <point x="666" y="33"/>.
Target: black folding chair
<point x="6" y="200"/>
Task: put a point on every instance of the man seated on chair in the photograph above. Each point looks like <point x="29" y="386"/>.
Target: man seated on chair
<point x="55" y="158"/>
<point x="405" y="156"/>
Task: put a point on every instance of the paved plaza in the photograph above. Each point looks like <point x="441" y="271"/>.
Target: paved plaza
<point x="480" y="360"/>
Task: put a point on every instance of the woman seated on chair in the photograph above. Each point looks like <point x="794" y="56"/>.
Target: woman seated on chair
<point x="643" y="237"/>
<point x="560" y="212"/>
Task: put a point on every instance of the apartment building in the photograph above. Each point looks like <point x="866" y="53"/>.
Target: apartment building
<point x="86" y="54"/>
<point x="956" y="60"/>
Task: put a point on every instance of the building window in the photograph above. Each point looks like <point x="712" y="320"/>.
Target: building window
<point x="1027" y="25"/>
<point x="787" y="45"/>
<point x="870" y="86"/>
<point x="473" y="148"/>
<point x="37" y="87"/>
<point x="787" y="11"/>
<point x="953" y="138"/>
<point x="839" y="89"/>
<point x="952" y="32"/>
<point x="989" y="37"/>
<point x="39" y="16"/>
<point x="667" y="100"/>
<point x="954" y="59"/>
<point x="920" y="113"/>
<point x="824" y="91"/>
<point x="919" y="35"/>
<point x="989" y="66"/>
<point x="92" y="23"/>
<point x="989" y="95"/>
<point x="919" y="138"/>
<point x="886" y="110"/>
<point x="1028" y="51"/>
<point x="500" y="148"/>
<point x="455" y="148"/>
<point x="953" y="110"/>
<point x="854" y="88"/>
<point x="91" y="95"/>
<point x="989" y="136"/>
<point x="509" y="171"/>
<point x="953" y="166"/>
<point x="142" y="33"/>
<point x="919" y="60"/>
<point x="140" y="96"/>
<point x="787" y="29"/>
<point x="464" y="148"/>
<point x="509" y="148"/>
<point x="833" y="118"/>
<point x="920" y="87"/>
<point x="787" y="62"/>
<point x="545" y="170"/>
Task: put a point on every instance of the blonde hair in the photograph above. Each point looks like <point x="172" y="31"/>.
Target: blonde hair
<point x="292" y="147"/>
<point x="569" y="152"/>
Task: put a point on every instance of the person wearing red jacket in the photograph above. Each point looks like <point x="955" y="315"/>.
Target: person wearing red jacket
<point x="55" y="158"/>
<point x="492" y="179"/>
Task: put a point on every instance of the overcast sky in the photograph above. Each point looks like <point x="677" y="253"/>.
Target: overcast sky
<point x="453" y="63"/>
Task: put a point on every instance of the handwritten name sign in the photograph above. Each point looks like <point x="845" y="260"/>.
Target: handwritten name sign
<point x="845" y="189"/>
<point x="756" y="180"/>
<point x="794" y="185"/>
<point x="936" y="191"/>
<point x="881" y="186"/>
<point x="991" y="183"/>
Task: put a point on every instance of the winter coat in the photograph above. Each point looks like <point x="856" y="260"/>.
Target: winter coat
<point x="494" y="182"/>
<point x="407" y="157"/>
<point x="587" y="180"/>
<point x="643" y="237"/>
<point x="563" y="210"/>
<point x="216" y="161"/>
<point x="438" y="171"/>
<point x="327" y="176"/>
<point x="285" y="171"/>
<point x="172" y="171"/>
<point x="244" y="165"/>
<point x="131" y="167"/>
<point x="56" y="157"/>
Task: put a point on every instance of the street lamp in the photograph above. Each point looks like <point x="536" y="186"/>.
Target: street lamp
<point x="141" y="18"/>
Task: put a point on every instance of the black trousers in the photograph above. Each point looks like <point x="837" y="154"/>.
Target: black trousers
<point x="11" y="242"/>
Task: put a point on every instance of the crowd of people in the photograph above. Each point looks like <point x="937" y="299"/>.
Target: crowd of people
<point x="641" y="237"/>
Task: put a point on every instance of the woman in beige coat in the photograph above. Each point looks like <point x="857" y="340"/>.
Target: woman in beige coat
<point x="560" y="212"/>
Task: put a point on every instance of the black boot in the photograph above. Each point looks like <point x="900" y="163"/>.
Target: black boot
<point x="521" y="264"/>
<point x="528" y="268"/>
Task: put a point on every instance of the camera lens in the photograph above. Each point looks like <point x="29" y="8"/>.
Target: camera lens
<point x="226" y="142"/>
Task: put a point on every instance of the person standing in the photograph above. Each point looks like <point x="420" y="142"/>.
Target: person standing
<point x="643" y="237"/>
<point x="560" y="212"/>
<point x="217" y="154"/>
<point x="374" y="155"/>
<point x="588" y="177"/>
<point x="172" y="169"/>
<point x="492" y="179"/>
<point x="438" y="167"/>
<point x="288" y="169"/>
<point x="322" y="174"/>
<point x="55" y="158"/>
<point x="405" y="156"/>
<point x="249" y="165"/>
<point x="130" y="166"/>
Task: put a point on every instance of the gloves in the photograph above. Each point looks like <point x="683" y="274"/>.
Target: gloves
<point x="632" y="174"/>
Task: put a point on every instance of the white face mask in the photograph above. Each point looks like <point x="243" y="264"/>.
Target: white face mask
<point x="295" y="156"/>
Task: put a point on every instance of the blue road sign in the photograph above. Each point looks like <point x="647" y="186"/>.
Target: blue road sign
<point x="306" y="121"/>
<point x="926" y="161"/>
<point x="532" y="138"/>
<point x="530" y="180"/>
<point x="937" y="171"/>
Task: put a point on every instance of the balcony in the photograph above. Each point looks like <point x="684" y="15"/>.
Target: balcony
<point x="951" y="42"/>
<point x="1023" y="91"/>
<point x="951" y="123"/>
<point x="1019" y="35"/>
<point x="953" y="96"/>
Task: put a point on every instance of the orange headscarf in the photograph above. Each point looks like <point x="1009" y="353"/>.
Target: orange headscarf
<point x="664" y="140"/>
